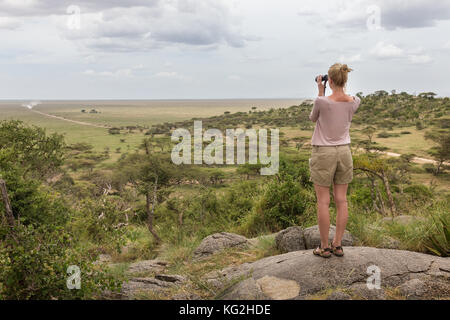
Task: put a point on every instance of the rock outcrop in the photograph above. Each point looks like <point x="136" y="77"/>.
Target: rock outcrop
<point x="312" y="237"/>
<point x="413" y="289"/>
<point x="219" y="241"/>
<point x="290" y="239"/>
<point x="300" y="275"/>
<point x="295" y="238"/>
<point x="147" y="266"/>
<point x="159" y="284"/>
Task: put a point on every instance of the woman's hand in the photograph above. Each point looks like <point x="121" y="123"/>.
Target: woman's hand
<point x="320" y="86"/>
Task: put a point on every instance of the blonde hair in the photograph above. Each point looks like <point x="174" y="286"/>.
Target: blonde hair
<point x="338" y="72"/>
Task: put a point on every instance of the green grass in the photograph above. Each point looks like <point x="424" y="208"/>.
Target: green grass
<point x="405" y="143"/>
<point x="148" y="113"/>
<point x="123" y="113"/>
<point x="371" y="231"/>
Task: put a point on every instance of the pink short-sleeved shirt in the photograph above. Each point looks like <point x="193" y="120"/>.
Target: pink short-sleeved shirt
<point x="333" y="120"/>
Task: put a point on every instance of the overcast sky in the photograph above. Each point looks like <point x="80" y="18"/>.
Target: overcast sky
<point x="176" y="49"/>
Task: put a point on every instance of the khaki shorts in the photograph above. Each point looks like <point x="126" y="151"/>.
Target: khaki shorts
<point x="331" y="164"/>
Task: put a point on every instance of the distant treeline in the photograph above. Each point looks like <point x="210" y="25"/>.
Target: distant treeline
<point x="380" y="109"/>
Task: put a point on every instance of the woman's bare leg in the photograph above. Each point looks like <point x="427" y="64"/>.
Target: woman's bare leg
<point x="323" y="213"/>
<point x="340" y="198"/>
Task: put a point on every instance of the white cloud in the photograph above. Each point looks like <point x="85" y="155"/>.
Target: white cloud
<point x="9" y="23"/>
<point x="117" y="73"/>
<point x="191" y="49"/>
<point x="350" y="59"/>
<point x="171" y="75"/>
<point x="90" y="58"/>
<point x="234" y="77"/>
<point x="390" y="51"/>
<point x="420" y="59"/>
<point x="141" y="25"/>
<point x="393" y="13"/>
<point x="56" y="7"/>
<point x="124" y="72"/>
<point x="386" y="50"/>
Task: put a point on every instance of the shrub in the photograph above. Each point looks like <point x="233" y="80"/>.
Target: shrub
<point x="114" y="131"/>
<point x="100" y="221"/>
<point x="419" y="193"/>
<point x="254" y="224"/>
<point x="283" y="203"/>
<point x="34" y="265"/>
<point x="419" y="125"/>
<point x="429" y="168"/>
<point x="385" y="134"/>
<point x="30" y="148"/>
<point x="240" y="199"/>
<point x="32" y="202"/>
<point x="438" y="242"/>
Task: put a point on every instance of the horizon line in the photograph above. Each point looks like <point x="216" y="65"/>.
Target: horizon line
<point x="150" y="99"/>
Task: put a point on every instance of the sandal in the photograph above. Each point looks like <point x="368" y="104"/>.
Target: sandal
<point x="324" y="253"/>
<point x="337" y="251"/>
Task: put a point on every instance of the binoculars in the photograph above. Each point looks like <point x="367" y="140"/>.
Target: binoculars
<point x="324" y="78"/>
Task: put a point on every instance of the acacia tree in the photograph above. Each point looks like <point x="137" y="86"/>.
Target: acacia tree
<point x="376" y="169"/>
<point x="150" y="174"/>
<point x="299" y="142"/>
<point x="249" y="170"/>
<point x="402" y="169"/>
<point x="428" y="95"/>
<point x="441" y="151"/>
<point x="369" y="131"/>
<point x="37" y="153"/>
<point x="151" y="144"/>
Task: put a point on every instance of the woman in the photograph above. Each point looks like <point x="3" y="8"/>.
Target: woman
<point x="331" y="158"/>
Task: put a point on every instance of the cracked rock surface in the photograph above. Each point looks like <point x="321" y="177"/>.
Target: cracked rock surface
<point x="147" y="266"/>
<point x="312" y="237"/>
<point x="219" y="241"/>
<point x="296" y="238"/>
<point x="158" y="284"/>
<point x="313" y="274"/>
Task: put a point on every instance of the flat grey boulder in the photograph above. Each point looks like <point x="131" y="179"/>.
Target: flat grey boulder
<point x="147" y="266"/>
<point x="312" y="237"/>
<point x="413" y="289"/>
<point x="140" y="286"/>
<point x="300" y="274"/>
<point x="290" y="239"/>
<point x="217" y="242"/>
<point x="170" y="278"/>
<point x="247" y="290"/>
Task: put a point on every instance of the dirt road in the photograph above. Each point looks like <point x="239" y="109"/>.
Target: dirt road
<point x="415" y="159"/>
<point x="72" y="121"/>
